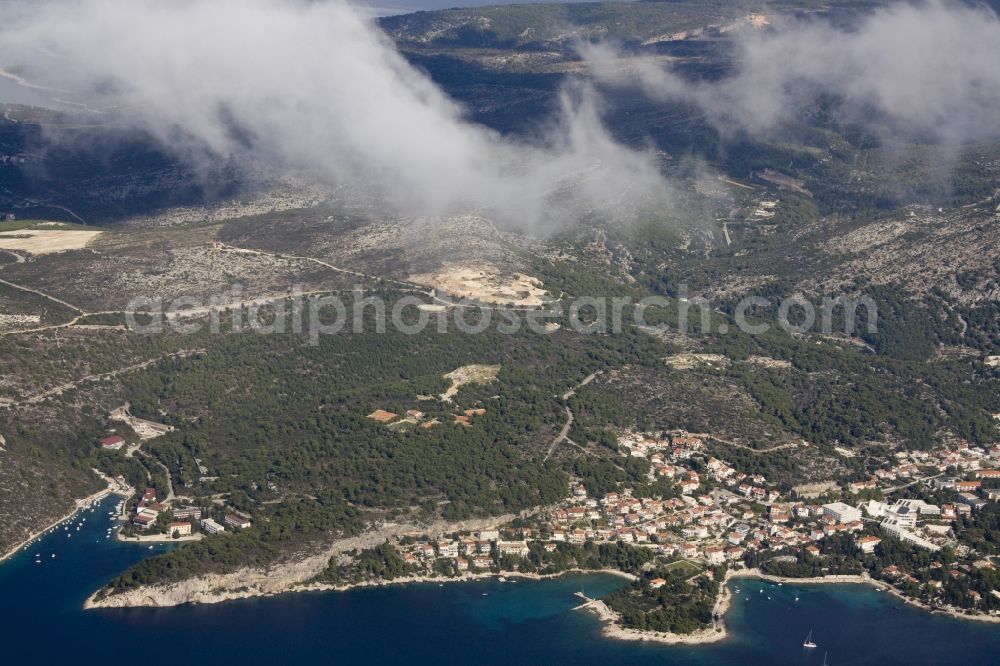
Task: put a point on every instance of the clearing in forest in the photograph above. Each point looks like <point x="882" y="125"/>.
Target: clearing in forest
<point x="689" y="361"/>
<point x="46" y="241"/>
<point x="486" y="284"/>
<point x="469" y="374"/>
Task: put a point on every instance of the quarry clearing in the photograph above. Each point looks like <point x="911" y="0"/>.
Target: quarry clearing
<point x="146" y="430"/>
<point x="486" y="284"/>
<point x="768" y="362"/>
<point x="469" y="374"/>
<point x="46" y="241"/>
<point x="689" y="361"/>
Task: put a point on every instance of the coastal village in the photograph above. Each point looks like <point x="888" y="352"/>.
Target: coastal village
<point x="714" y="520"/>
<point x="178" y="522"/>
<point x="147" y="517"/>
<point x="724" y="518"/>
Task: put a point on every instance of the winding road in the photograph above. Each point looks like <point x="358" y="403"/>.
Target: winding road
<point x="563" y="435"/>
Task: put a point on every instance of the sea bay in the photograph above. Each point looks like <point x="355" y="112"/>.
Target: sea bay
<point x="485" y="622"/>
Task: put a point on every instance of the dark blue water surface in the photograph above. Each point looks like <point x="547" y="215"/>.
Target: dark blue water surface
<point x="478" y="623"/>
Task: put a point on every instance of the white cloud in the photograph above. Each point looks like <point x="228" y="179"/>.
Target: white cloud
<point x="928" y="71"/>
<point x="313" y="86"/>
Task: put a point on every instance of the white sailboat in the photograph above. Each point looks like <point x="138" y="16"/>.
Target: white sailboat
<point x="809" y="640"/>
<point x="825" y="662"/>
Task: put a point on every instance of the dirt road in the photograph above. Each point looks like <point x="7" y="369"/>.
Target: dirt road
<point x="563" y="435"/>
<point x="62" y="388"/>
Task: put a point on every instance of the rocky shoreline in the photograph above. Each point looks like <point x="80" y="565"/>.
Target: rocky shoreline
<point x="268" y="583"/>
<point x="277" y="579"/>
<point x="79" y="505"/>
<point x="614" y="629"/>
<point x="718" y="631"/>
<point x="296" y="577"/>
<point x="865" y="579"/>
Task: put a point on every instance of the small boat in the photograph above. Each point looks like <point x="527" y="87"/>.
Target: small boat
<point x="825" y="662"/>
<point x="809" y="640"/>
<point x="53" y="554"/>
<point x="796" y="598"/>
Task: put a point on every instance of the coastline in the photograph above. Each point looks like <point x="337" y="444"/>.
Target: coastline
<point x="166" y="596"/>
<point x="79" y="505"/>
<point x="718" y="632"/>
<point x="157" y="538"/>
<point x="296" y="576"/>
<point x="409" y="580"/>
<point x="279" y="578"/>
<point x="613" y="629"/>
<point x="864" y="579"/>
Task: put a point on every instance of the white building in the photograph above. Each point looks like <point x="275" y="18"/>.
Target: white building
<point x="867" y="543"/>
<point x="447" y="548"/>
<point x="516" y="548"/>
<point x="715" y="554"/>
<point x="904" y="516"/>
<point x="180" y="529"/>
<point x="875" y="509"/>
<point x="909" y="537"/>
<point x="842" y="513"/>
<point x="918" y="506"/>
<point x="187" y="513"/>
<point x="237" y="521"/>
<point x="211" y="527"/>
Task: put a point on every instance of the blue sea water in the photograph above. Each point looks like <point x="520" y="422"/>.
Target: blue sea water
<point x="489" y="622"/>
